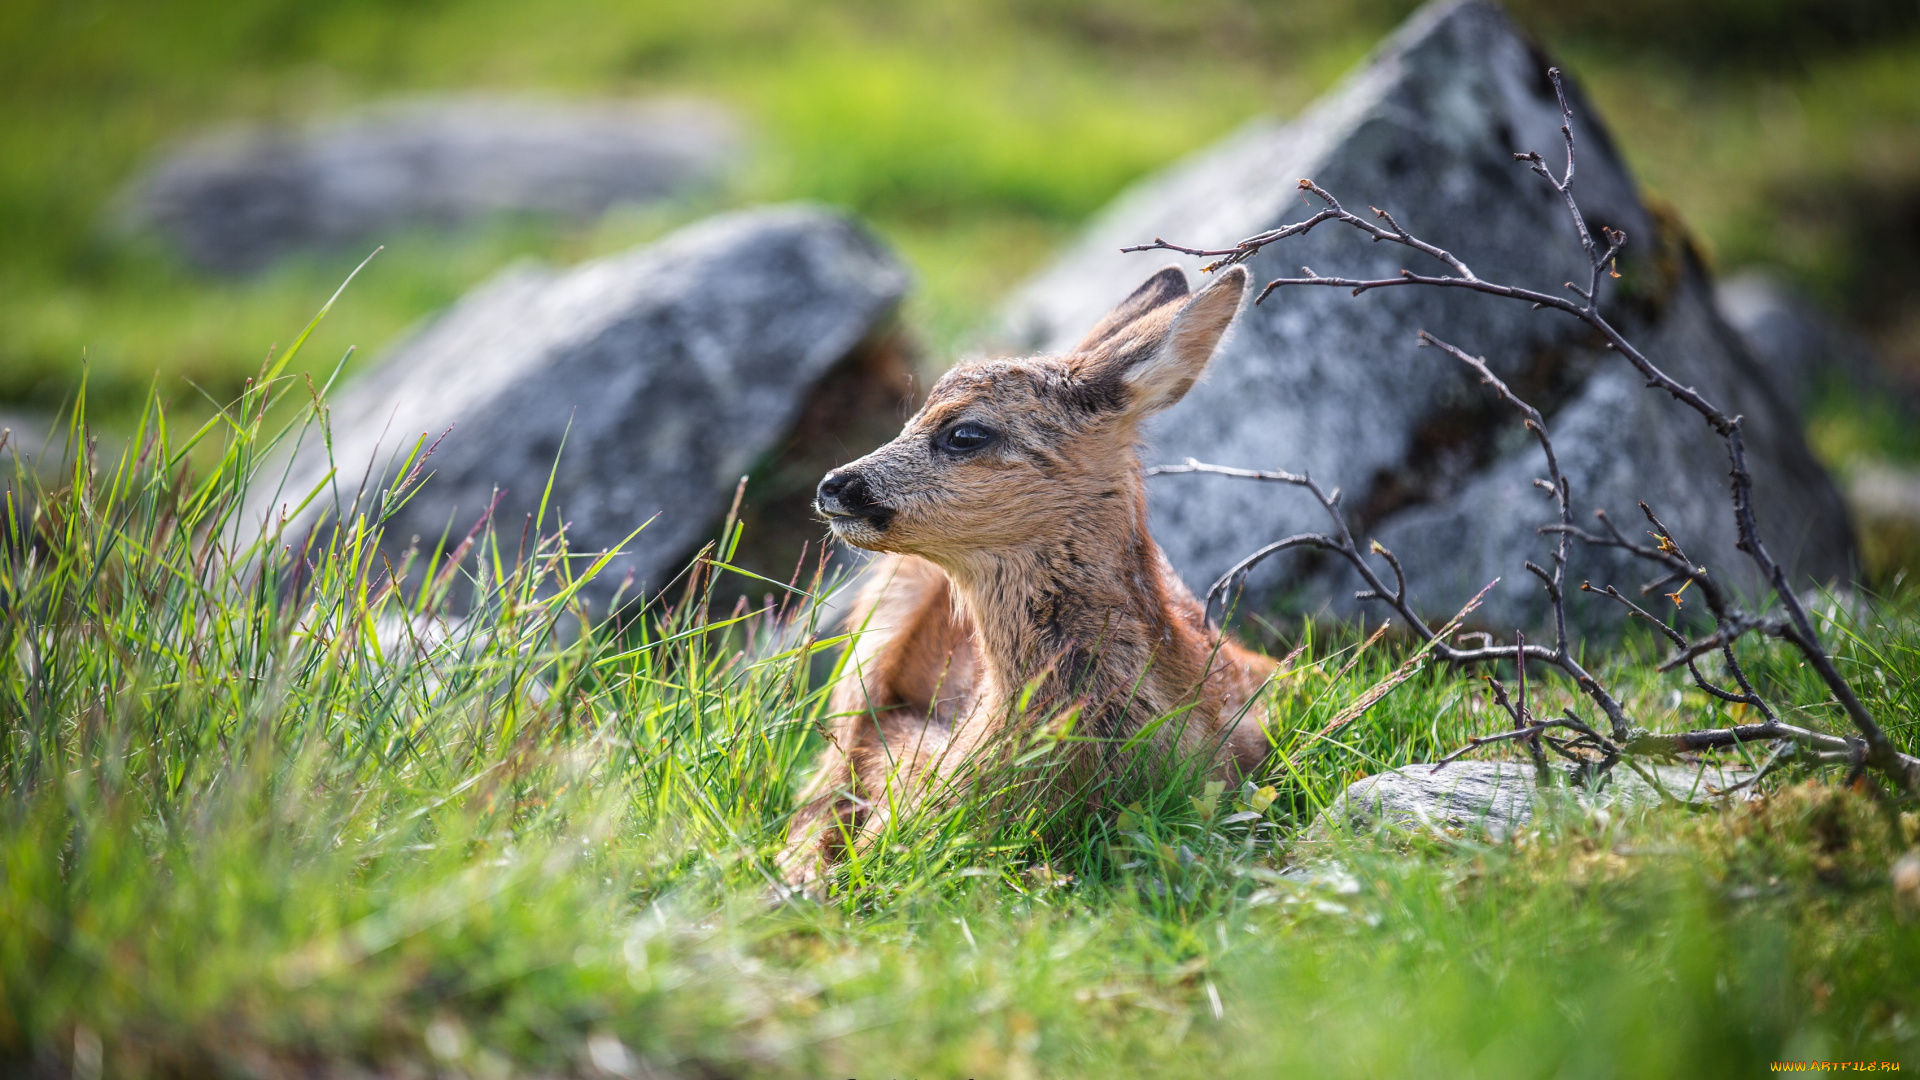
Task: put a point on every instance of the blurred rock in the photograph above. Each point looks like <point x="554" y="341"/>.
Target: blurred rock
<point x="1499" y="796"/>
<point x="1430" y="464"/>
<point x="34" y="459"/>
<point x="1806" y="353"/>
<point x="38" y="440"/>
<point x="27" y="433"/>
<point x="235" y="200"/>
<point x="669" y="372"/>
<point x="1794" y="341"/>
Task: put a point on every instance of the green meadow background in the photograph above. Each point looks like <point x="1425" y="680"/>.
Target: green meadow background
<point x="975" y="134"/>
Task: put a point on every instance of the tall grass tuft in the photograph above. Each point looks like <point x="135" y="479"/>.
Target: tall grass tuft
<point x="240" y="762"/>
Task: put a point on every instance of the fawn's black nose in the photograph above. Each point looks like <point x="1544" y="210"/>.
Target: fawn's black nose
<point x="844" y="493"/>
<point x="832" y="484"/>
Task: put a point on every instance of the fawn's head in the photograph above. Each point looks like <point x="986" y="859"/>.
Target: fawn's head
<point x="1007" y="453"/>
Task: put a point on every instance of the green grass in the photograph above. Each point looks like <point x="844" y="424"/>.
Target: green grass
<point x="975" y="134"/>
<point x="263" y="812"/>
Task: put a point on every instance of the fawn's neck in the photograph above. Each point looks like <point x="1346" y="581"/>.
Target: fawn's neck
<point x="1092" y="611"/>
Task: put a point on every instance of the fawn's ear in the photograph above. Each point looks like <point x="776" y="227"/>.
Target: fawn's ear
<point x="1163" y="288"/>
<point x="1154" y="345"/>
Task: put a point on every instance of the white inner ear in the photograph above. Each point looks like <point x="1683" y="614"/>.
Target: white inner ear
<point x="1167" y="375"/>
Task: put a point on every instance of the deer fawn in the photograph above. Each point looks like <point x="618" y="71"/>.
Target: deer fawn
<point x="1015" y="520"/>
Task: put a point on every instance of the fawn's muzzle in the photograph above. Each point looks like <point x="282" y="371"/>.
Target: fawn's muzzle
<point x="844" y="493"/>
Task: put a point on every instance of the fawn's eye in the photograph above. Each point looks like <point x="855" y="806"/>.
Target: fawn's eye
<point x="964" y="437"/>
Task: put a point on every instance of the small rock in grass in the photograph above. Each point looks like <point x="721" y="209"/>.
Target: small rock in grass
<point x="1497" y="797"/>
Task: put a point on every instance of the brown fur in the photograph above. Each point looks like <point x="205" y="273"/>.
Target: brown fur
<point x="1026" y="561"/>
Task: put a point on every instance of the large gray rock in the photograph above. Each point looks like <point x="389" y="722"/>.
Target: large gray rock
<point x="234" y="200"/>
<point x="1497" y="797"/>
<point x="669" y="372"/>
<point x="1431" y="465"/>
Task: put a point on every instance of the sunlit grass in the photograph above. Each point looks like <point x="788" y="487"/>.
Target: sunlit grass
<point x="271" y="803"/>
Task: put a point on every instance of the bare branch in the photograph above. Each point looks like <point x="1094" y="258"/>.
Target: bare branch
<point x="1796" y="627"/>
<point x="1529" y="732"/>
<point x="1533" y="743"/>
<point x="1241" y="568"/>
<point x="1723" y="738"/>
<point x="1475" y="742"/>
<point x="1729" y="632"/>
